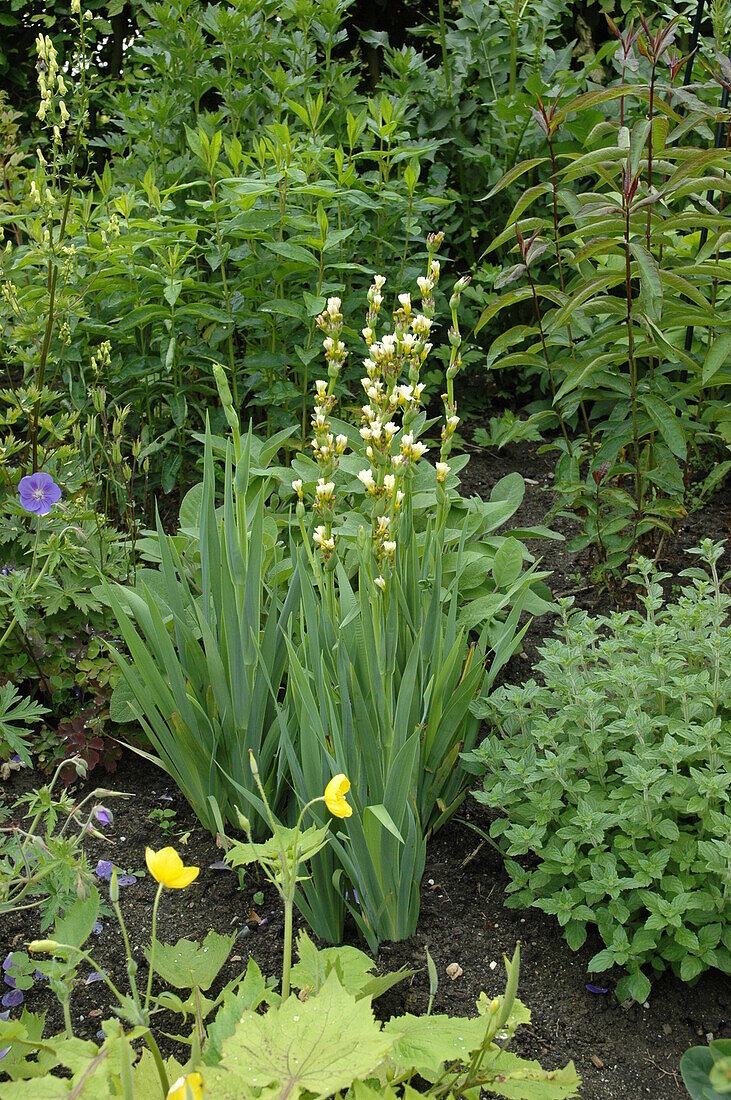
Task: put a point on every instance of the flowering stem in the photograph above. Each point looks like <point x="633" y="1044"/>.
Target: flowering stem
<point x="153" y="941"/>
<point x="287" y="956"/>
<point x="131" y="964"/>
<point x="159" y="1064"/>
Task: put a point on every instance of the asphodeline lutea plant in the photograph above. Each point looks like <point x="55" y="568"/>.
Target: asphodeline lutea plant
<point x="282" y="856"/>
<point x="393" y="412"/>
<point x="382" y="688"/>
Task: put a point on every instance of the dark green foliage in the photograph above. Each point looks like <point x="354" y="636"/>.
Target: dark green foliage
<point x="612" y="275"/>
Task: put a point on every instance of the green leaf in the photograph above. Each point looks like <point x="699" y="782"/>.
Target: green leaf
<point x="667" y="423"/>
<point x="634" y="985"/>
<point x="75" y="927"/>
<point x="717" y="356"/>
<point x="695" y="1068"/>
<point x="516" y="1078"/>
<point x="188" y="965"/>
<point x="382" y="815"/>
<point x="319" y="1046"/>
<point x="508" y="563"/>
<point x="354" y="970"/>
<point x="650" y="283"/>
<point x="425" y="1043"/>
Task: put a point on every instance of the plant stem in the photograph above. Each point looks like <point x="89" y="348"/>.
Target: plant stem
<point x="561" y="421"/>
<point x="153" y="941"/>
<point x="445" y="55"/>
<point x="287" y="956"/>
<point x="159" y="1064"/>
<point x="632" y="363"/>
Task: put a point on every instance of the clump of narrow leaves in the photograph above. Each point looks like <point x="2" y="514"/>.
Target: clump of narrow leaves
<point x="613" y="777"/>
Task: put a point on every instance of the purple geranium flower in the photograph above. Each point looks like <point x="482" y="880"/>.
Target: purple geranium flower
<point x="104" y="869"/>
<point x="38" y="493"/>
<point x="103" y="815"/>
<point x="13" y="998"/>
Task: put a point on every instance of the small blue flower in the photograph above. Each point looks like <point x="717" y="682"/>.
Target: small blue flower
<point x="38" y="493"/>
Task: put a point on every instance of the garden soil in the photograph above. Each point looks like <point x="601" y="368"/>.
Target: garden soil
<point x="622" y="1052"/>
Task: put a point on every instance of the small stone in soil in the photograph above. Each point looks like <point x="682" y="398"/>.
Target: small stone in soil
<point x="597" y="1061"/>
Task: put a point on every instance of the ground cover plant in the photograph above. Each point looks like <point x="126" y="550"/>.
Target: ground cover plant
<point x="613" y="773"/>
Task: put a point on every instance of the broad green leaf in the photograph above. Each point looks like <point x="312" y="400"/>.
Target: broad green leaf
<point x="425" y="1043"/>
<point x="186" y="964"/>
<point x="354" y="970"/>
<point x="695" y="1067"/>
<point x="319" y="1046"/>
<point x="508" y="563"/>
<point x="75" y="927"/>
<point x="518" y="1079"/>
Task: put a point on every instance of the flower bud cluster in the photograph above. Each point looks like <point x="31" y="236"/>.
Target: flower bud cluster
<point x="51" y="85"/>
<point x="326" y="447"/>
<point x="103" y="357"/>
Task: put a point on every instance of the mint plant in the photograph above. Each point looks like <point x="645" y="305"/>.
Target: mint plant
<point x="613" y="776"/>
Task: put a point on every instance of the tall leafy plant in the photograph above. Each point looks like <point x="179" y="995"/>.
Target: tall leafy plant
<point x="381" y="685"/>
<point x="630" y="337"/>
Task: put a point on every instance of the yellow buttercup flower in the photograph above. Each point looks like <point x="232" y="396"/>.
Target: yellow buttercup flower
<point x="187" y="1087"/>
<point x="335" y="793"/>
<point x="167" y="868"/>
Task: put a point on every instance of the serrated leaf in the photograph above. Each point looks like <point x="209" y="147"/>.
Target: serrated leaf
<point x="75" y="927"/>
<point x="318" y="1046"/>
<point x="187" y="964"/>
<point x="425" y="1043"/>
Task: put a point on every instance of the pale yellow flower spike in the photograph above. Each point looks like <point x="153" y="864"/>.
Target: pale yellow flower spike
<point x="167" y="868"/>
<point x="335" y="793"/>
